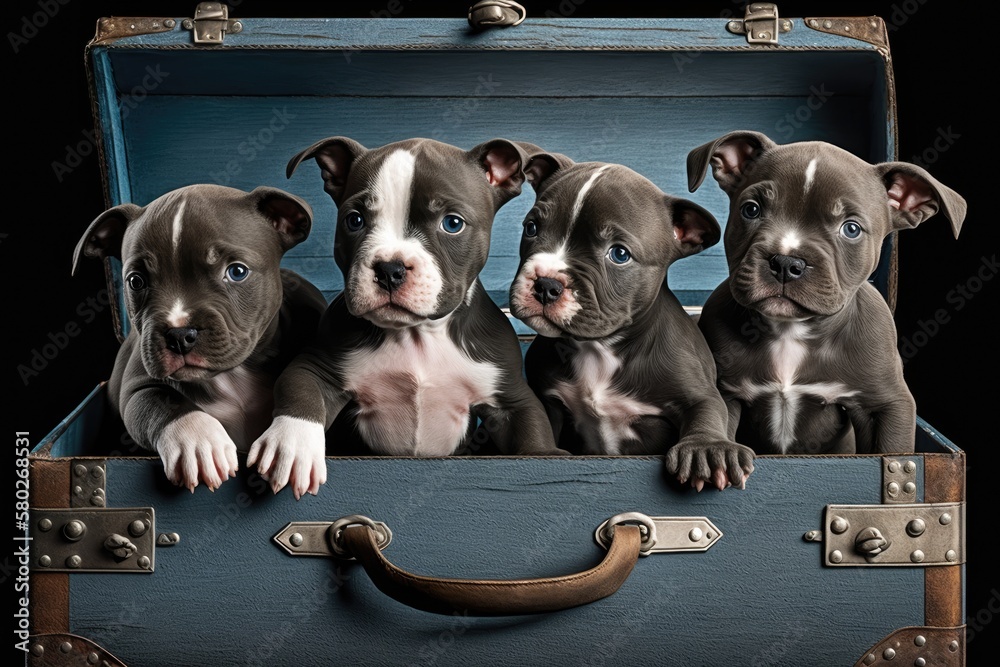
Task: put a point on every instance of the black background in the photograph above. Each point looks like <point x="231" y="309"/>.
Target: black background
<point x="943" y="82"/>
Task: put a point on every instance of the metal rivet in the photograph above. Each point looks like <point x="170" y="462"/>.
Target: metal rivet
<point x="77" y="490"/>
<point x="889" y="653"/>
<point x="187" y="23"/>
<point x="917" y="556"/>
<point x="734" y="25"/>
<point x="44" y="525"/>
<point x="236" y="27"/>
<point x="97" y="472"/>
<point x="836" y="556"/>
<point x="709" y="535"/>
<point x="839" y="525"/>
<point x="847" y="27"/>
<point x="296" y="539"/>
<point x="170" y="23"/>
<point x="813" y="22"/>
<point x="873" y="24"/>
<point x="97" y="500"/>
<point x="144" y="563"/>
<point x="131" y="26"/>
<point x="953" y="646"/>
<point x="869" y="659"/>
<point x="37" y="649"/>
<point x="910" y="466"/>
<point x="909" y="487"/>
<point x="786" y="25"/>
<point x="951" y="556"/>
<point x="73" y="561"/>
<point x="915" y="527"/>
<point x="763" y="35"/>
<point x="945" y="519"/>
<point x="79" y="470"/>
<point x="919" y="662"/>
<point x="695" y="534"/>
<point x="827" y="24"/>
<point x="893" y="465"/>
<point x="919" y="640"/>
<point x="893" y="489"/>
<point x="93" y="658"/>
<point x="45" y="561"/>
<point x="65" y="647"/>
<point x="137" y="528"/>
<point x="812" y="536"/>
<point x="74" y="530"/>
<point x="167" y="539"/>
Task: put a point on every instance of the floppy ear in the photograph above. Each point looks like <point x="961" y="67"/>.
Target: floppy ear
<point x="915" y="195"/>
<point x="334" y="155"/>
<point x="103" y="237"/>
<point x="541" y="166"/>
<point x="503" y="162"/>
<point x="290" y="216"/>
<point x="730" y="155"/>
<point x="694" y="227"/>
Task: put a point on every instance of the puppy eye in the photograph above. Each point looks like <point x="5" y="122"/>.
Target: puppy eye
<point x="135" y="281"/>
<point x="850" y="230"/>
<point x="452" y="224"/>
<point x="750" y="210"/>
<point x="237" y="272"/>
<point x="354" y="222"/>
<point x="619" y="254"/>
<point x="531" y="229"/>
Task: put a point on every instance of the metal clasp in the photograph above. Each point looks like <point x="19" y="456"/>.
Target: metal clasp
<point x="496" y="13"/>
<point x="663" y="534"/>
<point x="211" y="22"/>
<point x="760" y="24"/>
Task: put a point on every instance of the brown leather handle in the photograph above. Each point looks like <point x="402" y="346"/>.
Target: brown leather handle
<point x="483" y="597"/>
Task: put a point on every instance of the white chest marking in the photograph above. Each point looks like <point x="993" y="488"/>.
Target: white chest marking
<point x="177" y="317"/>
<point x="178" y="225"/>
<point x="581" y="195"/>
<point x="414" y="392"/>
<point x="810" y="176"/>
<point x="242" y="401"/>
<point x="603" y="414"/>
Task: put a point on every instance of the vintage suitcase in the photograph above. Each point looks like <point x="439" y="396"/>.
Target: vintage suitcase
<point x="851" y="559"/>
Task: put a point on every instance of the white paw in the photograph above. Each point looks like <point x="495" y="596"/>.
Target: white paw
<point x="291" y="451"/>
<point x="196" y="447"/>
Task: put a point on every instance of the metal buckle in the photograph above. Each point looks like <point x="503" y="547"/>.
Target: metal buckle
<point x="211" y="22"/>
<point x="760" y="24"/>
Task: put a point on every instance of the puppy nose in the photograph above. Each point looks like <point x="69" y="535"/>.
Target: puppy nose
<point x="180" y="339"/>
<point x="547" y="290"/>
<point x="787" y="268"/>
<point x="390" y="275"/>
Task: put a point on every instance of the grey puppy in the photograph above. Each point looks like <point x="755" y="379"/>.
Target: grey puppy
<point x="619" y="364"/>
<point x="413" y="352"/>
<point x="214" y="319"/>
<point x="806" y="347"/>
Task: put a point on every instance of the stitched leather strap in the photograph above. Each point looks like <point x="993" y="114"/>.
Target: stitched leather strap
<point x="496" y="597"/>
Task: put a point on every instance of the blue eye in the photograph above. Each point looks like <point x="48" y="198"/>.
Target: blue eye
<point x="619" y="254"/>
<point x="531" y="229"/>
<point x="237" y="272"/>
<point x="452" y="224"/>
<point x="850" y="230"/>
<point x="136" y="281"/>
<point x="750" y="210"/>
<point x="354" y="222"/>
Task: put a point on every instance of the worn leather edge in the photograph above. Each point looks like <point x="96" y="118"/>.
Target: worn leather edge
<point x="870" y="29"/>
<point x="944" y="482"/>
<point x="65" y="649"/>
<point x="937" y="646"/>
<point x="111" y="28"/>
<point x="50" y="486"/>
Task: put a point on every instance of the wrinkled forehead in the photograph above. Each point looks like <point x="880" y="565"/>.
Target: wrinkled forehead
<point x="816" y="175"/>
<point x="597" y="197"/>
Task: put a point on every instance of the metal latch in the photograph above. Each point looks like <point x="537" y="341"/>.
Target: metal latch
<point x="496" y="14"/>
<point x="760" y="23"/>
<point x="211" y="22"/>
<point x="897" y="535"/>
<point x="663" y="534"/>
<point x="94" y="540"/>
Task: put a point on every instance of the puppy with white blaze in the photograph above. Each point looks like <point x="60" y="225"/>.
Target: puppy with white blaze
<point x="413" y="353"/>
<point x="214" y="319"/>
<point x="805" y="345"/>
<point x="620" y="366"/>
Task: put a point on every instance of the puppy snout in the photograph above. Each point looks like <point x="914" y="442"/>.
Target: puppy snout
<point x="547" y="290"/>
<point x="786" y="268"/>
<point x="181" y="339"/>
<point x="390" y="275"/>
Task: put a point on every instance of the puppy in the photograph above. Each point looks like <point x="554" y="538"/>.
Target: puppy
<point x="213" y="319"/>
<point x="413" y="350"/>
<point x="621" y="368"/>
<point x="805" y="346"/>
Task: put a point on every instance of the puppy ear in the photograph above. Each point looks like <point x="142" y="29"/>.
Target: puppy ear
<point x="103" y="237"/>
<point x="503" y="163"/>
<point x="730" y="156"/>
<point x="290" y="216"/>
<point x="334" y="155"/>
<point x="694" y="227"/>
<point x="541" y="166"/>
<point x="915" y="195"/>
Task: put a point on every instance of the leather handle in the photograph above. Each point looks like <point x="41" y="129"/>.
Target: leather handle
<point x="482" y="597"/>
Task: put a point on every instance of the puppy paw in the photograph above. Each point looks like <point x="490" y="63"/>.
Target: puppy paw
<point x="291" y="452"/>
<point x="719" y="463"/>
<point x="196" y="447"/>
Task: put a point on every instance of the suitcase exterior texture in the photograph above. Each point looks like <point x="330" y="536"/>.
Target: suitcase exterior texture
<point x="782" y="584"/>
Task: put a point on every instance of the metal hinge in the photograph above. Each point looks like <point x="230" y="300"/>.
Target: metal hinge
<point x="760" y="24"/>
<point x="211" y="22"/>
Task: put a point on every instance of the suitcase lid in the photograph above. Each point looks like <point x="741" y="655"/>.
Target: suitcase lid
<point x="642" y="92"/>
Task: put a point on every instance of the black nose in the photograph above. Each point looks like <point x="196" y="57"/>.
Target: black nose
<point x="390" y="275"/>
<point x="547" y="290"/>
<point x="181" y="340"/>
<point x="787" y="268"/>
